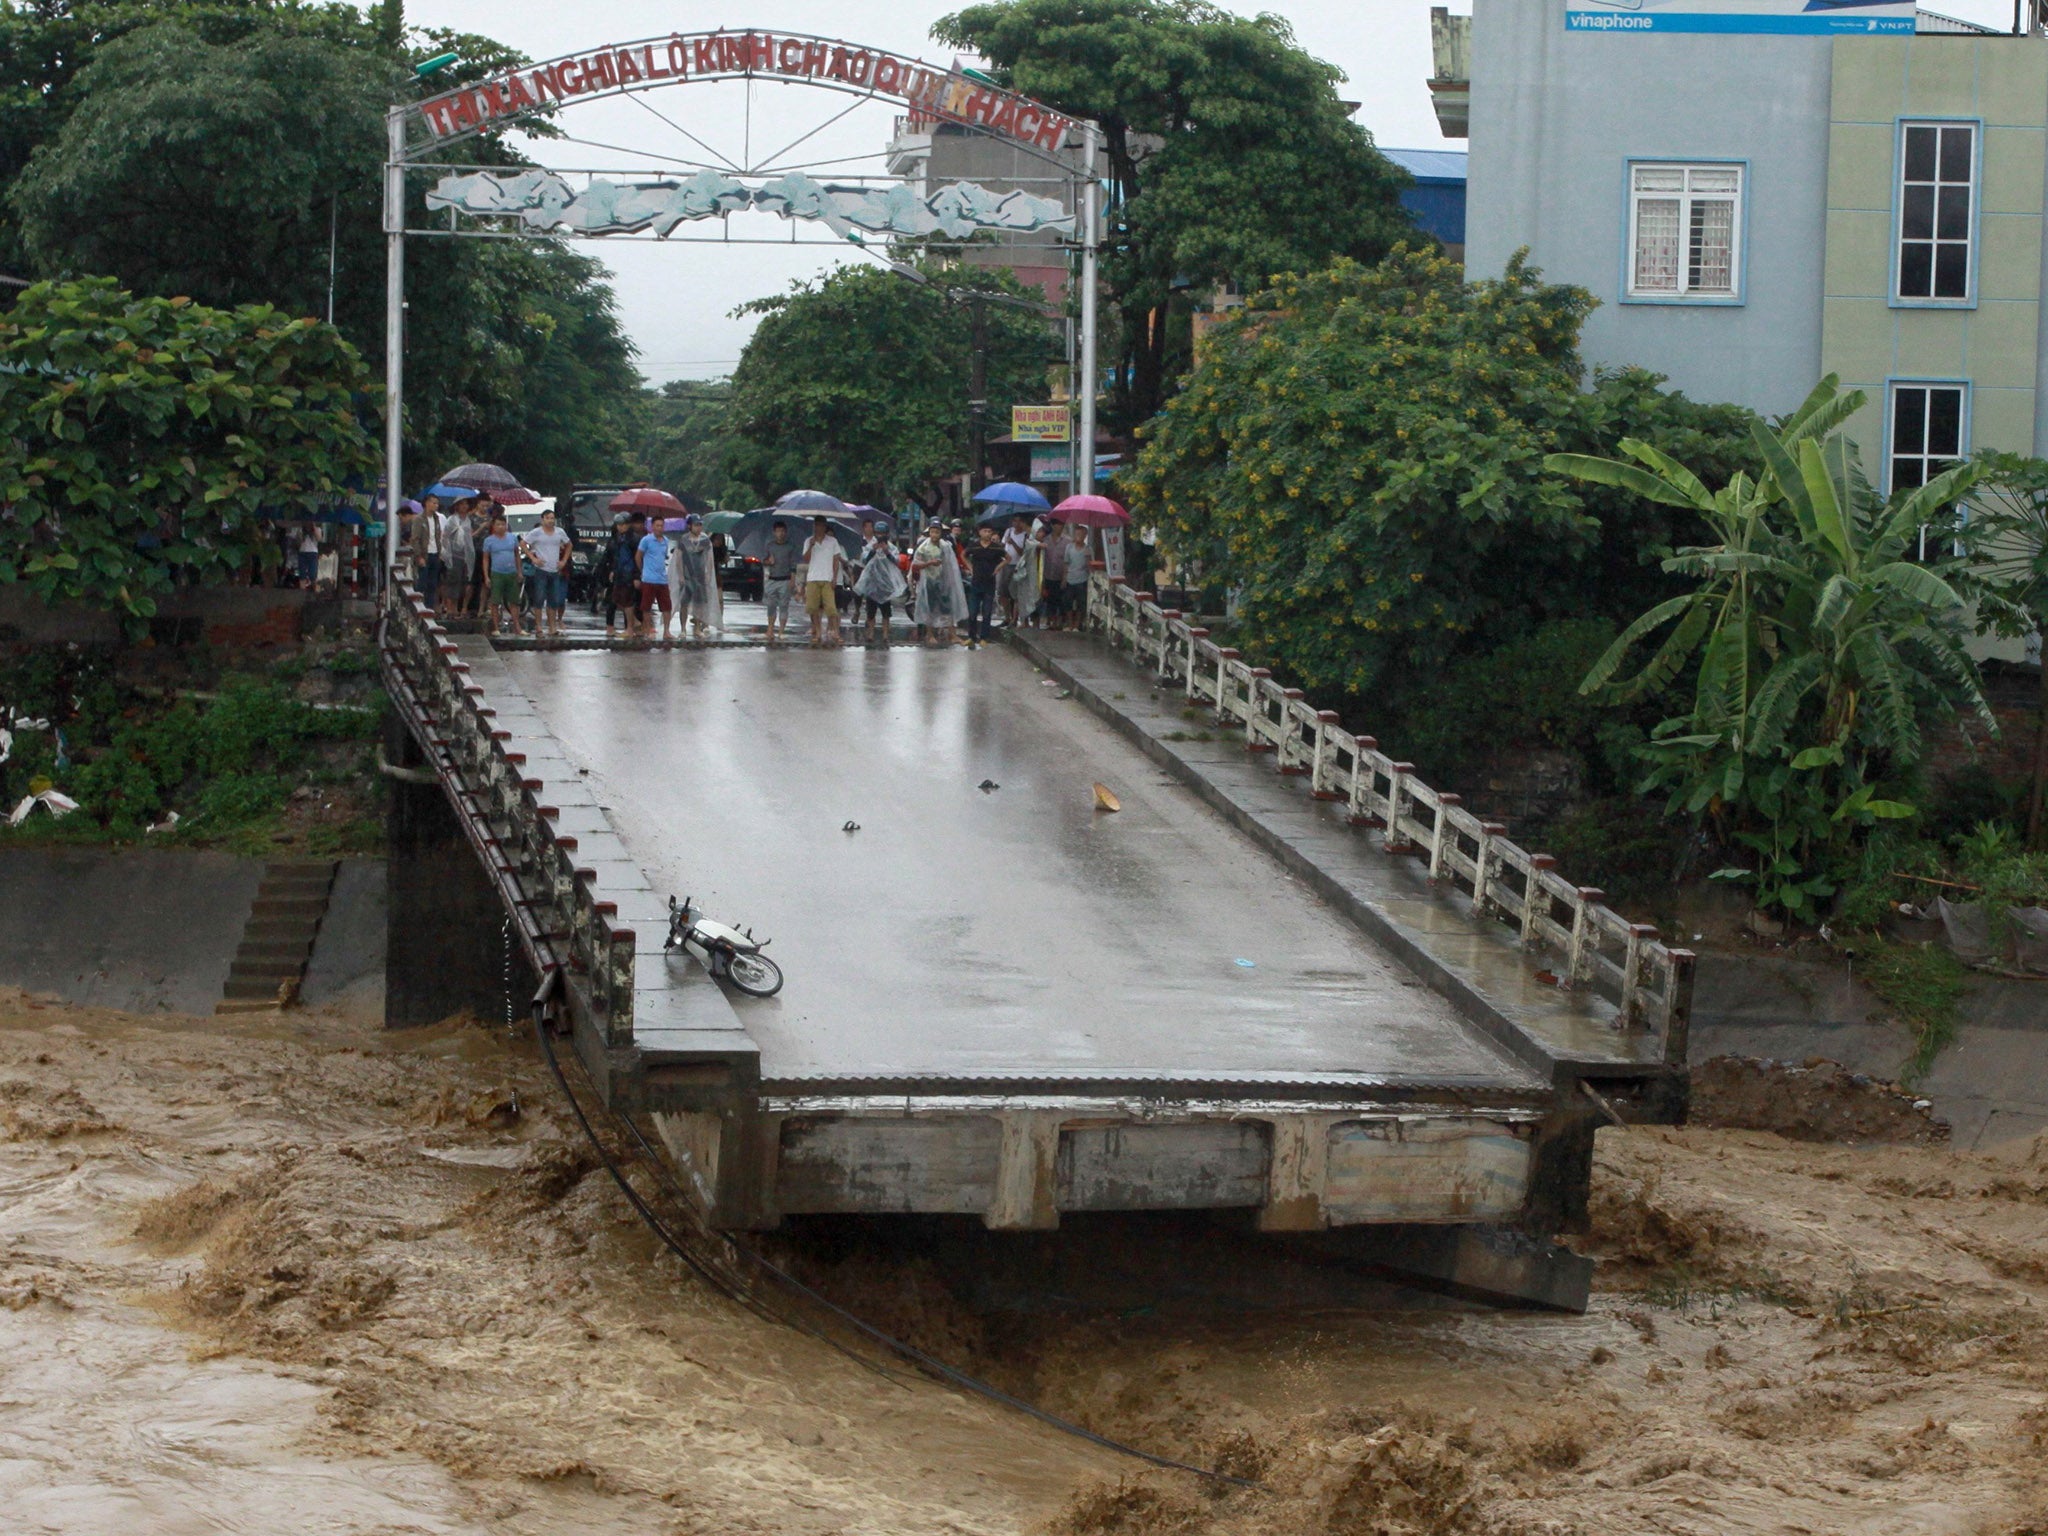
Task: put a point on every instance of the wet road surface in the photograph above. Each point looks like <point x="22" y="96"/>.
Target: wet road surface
<point x="961" y="930"/>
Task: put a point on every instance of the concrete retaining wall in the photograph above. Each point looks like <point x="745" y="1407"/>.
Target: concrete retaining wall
<point x="135" y="929"/>
<point x="234" y="617"/>
<point x="347" y="968"/>
<point x="1989" y="1085"/>
<point x="154" y="931"/>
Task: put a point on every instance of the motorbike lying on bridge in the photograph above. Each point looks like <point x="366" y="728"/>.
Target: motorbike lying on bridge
<point x="724" y="951"/>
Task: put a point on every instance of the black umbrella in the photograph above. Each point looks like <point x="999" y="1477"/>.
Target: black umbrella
<point x="496" y="482"/>
<point x="749" y="536"/>
<point x="1001" y="516"/>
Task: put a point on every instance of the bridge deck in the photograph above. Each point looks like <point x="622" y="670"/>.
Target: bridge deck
<point x="966" y="935"/>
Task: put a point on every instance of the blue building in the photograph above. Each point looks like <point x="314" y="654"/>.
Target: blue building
<point x="1437" y="199"/>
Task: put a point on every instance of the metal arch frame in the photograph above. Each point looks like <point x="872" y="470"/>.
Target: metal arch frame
<point x="945" y="95"/>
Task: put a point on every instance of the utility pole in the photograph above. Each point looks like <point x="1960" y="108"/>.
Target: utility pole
<point x="1091" y="235"/>
<point x="977" y="403"/>
<point x="333" y="239"/>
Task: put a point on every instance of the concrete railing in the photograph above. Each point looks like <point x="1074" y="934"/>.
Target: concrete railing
<point x="561" y="921"/>
<point x="1597" y="948"/>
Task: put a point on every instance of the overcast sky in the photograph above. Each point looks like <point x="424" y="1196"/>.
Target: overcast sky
<point x="676" y="299"/>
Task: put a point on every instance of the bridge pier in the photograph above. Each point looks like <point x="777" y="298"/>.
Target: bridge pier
<point x="447" y="948"/>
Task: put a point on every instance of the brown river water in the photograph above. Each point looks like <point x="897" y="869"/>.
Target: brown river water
<point x="293" y="1273"/>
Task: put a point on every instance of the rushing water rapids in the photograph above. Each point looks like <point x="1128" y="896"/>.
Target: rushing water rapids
<point x="297" y="1273"/>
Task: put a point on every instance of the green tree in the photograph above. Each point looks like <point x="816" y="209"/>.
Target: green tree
<point x="2006" y="538"/>
<point x="212" y="170"/>
<point x="687" y="445"/>
<point x="46" y="44"/>
<point x="1360" y="457"/>
<point x="858" y="383"/>
<point x="146" y="439"/>
<point x="1819" y="645"/>
<point x="524" y="365"/>
<point x="1231" y="157"/>
<point x="217" y="154"/>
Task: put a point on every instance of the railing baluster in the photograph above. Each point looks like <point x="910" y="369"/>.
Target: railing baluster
<point x="1442" y="836"/>
<point x="1585" y="898"/>
<point x="1535" y="899"/>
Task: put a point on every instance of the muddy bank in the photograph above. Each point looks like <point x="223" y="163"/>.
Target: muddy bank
<point x="1814" y="1100"/>
<point x="298" y="1273"/>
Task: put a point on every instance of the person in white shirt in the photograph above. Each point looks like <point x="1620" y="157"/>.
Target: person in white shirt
<point x="458" y="550"/>
<point x="547" y="548"/>
<point x="823" y="557"/>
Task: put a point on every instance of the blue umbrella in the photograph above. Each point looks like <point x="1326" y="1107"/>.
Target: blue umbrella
<point x="448" y="492"/>
<point x="809" y="501"/>
<point x="1009" y="493"/>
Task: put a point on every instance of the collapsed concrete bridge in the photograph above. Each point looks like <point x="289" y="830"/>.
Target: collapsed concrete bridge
<point x="1326" y="998"/>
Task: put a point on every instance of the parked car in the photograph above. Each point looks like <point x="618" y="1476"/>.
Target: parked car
<point x="741" y="575"/>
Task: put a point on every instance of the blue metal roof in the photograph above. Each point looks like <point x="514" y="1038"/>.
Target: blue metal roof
<point x="1428" y="165"/>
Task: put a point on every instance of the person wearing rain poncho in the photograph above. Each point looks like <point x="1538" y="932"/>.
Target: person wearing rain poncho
<point x="880" y="585"/>
<point x="693" y="579"/>
<point x="941" y="600"/>
<point x="1024" y="576"/>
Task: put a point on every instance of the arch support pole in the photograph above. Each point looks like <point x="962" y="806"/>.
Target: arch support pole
<point x="1091" y="221"/>
<point x="394" y="335"/>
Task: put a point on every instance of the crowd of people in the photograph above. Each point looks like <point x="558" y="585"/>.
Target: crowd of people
<point x="951" y="587"/>
<point x="466" y="561"/>
<point x="657" y="579"/>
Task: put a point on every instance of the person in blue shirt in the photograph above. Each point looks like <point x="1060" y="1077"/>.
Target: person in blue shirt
<point x="500" y="553"/>
<point x="654" y="590"/>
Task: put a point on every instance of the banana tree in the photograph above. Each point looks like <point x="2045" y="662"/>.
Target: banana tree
<point x="2006" y="541"/>
<point x="1818" y="643"/>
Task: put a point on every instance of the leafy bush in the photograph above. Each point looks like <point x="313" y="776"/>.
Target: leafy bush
<point x="1362" y="456"/>
<point x="145" y="441"/>
<point x="1815" y="644"/>
<point x="222" y="759"/>
<point x="1625" y="845"/>
<point x="241" y="798"/>
<point x="1523" y="694"/>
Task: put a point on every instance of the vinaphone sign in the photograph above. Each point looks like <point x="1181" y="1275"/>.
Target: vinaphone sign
<point x="944" y="94"/>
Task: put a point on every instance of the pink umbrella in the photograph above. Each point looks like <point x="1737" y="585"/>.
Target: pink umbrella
<point x="1090" y="512"/>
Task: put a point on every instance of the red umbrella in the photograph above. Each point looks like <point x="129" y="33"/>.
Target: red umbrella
<point x="645" y="498"/>
<point x="1090" y="512"/>
<point x="512" y="496"/>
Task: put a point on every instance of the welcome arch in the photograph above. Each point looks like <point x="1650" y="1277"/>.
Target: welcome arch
<point x="497" y="201"/>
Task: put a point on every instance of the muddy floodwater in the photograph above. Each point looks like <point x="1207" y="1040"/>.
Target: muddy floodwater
<point x="293" y="1273"/>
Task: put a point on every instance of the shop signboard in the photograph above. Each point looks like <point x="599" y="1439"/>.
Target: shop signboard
<point x="1040" y="424"/>
<point x="1057" y="464"/>
<point x="1827" y="18"/>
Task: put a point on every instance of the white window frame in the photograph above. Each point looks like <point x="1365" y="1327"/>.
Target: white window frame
<point x="1737" y="200"/>
<point x="1923" y="456"/>
<point x="1973" y="189"/>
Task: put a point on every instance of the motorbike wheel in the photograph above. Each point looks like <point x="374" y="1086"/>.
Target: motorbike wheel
<point x="755" y="975"/>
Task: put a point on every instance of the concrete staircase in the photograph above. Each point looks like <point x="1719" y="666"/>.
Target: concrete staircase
<point x="278" y="940"/>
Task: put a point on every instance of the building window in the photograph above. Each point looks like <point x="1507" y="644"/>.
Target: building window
<point x="1926" y="438"/>
<point x="1685" y="231"/>
<point x="1937" y="188"/>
